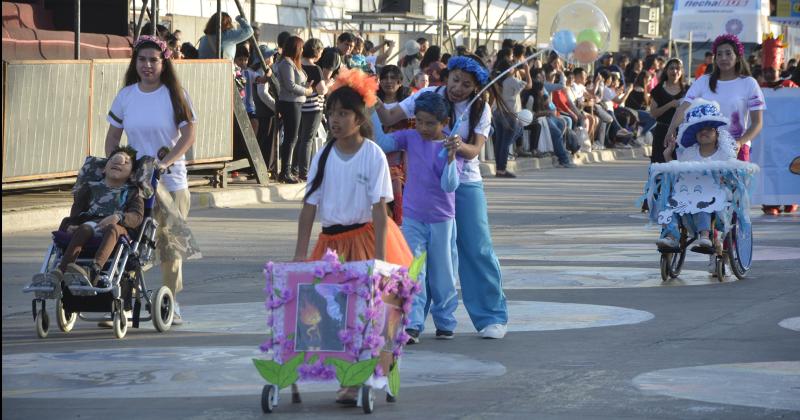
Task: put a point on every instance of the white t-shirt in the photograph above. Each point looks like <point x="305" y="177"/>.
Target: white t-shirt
<point x="471" y="171"/>
<point x="726" y="150"/>
<point x="736" y="99"/>
<point x="350" y="187"/>
<point x="692" y="154"/>
<point x="608" y="97"/>
<point x="577" y="91"/>
<point x="148" y="121"/>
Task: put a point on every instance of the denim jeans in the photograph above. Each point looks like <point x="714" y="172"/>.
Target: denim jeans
<point x="556" y="126"/>
<point x="309" y="124"/>
<point x="506" y="130"/>
<point x="646" y="121"/>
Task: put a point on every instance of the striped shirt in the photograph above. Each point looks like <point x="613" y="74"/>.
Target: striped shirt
<point x="315" y="102"/>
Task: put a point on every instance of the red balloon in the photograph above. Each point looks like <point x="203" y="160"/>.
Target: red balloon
<point x="586" y="52"/>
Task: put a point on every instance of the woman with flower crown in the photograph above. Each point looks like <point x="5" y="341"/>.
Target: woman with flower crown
<point x="739" y="96"/>
<point x="156" y="113"/>
<point x="478" y="266"/>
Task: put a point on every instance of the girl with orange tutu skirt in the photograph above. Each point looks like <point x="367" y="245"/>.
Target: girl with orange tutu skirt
<point x="350" y="183"/>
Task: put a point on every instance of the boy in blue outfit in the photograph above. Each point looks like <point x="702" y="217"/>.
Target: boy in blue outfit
<point x="429" y="212"/>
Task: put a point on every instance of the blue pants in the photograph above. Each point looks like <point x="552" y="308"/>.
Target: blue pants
<point x="700" y="222"/>
<point x="556" y="126"/>
<point x="438" y="276"/>
<point x="506" y="131"/>
<point x="646" y="121"/>
<point x="478" y="267"/>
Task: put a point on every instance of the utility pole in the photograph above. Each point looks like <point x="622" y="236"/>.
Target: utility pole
<point x="478" y="32"/>
<point x="77" y="25"/>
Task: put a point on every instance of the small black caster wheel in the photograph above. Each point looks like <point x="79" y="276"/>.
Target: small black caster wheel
<point x="42" y="323"/>
<point x="267" y="397"/>
<point x="390" y="398"/>
<point x="367" y="399"/>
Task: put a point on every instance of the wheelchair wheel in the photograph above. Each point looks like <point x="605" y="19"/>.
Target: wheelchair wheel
<point x="677" y="263"/>
<point x="666" y="260"/>
<point x="739" y="244"/>
<point x="42" y="323"/>
<point x="66" y="320"/>
<point x="162" y="307"/>
<point x="119" y="319"/>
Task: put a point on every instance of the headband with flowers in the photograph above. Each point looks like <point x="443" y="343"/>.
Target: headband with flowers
<point x="145" y="39"/>
<point x="728" y="38"/>
<point x="364" y="84"/>
<point x="470" y="66"/>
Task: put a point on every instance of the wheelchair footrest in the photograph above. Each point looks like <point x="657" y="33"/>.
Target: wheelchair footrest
<point x="708" y="250"/>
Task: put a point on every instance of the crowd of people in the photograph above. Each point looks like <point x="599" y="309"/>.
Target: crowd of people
<point x="624" y="102"/>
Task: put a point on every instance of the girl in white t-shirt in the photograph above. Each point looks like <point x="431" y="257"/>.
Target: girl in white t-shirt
<point x="349" y="187"/>
<point x="156" y="113"/>
<point x="350" y="184"/>
<point x="739" y="96"/>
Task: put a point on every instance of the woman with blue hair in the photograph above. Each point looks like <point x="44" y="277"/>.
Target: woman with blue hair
<point x="478" y="266"/>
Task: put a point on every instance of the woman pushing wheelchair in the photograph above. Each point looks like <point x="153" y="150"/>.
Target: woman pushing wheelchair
<point x="702" y="197"/>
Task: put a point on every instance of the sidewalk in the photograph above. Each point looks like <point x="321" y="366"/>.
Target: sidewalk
<point x="23" y="212"/>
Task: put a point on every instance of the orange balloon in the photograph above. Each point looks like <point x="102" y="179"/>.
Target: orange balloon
<point x="586" y="52"/>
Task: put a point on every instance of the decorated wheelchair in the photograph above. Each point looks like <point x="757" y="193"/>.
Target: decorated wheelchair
<point x="335" y="321"/>
<point x="676" y="190"/>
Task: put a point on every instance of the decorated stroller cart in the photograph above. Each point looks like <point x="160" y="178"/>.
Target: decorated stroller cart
<point x="335" y="321"/>
<point x="677" y="189"/>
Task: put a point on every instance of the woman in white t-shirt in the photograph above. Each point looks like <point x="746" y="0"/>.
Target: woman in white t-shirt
<point x="739" y="96"/>
<point x="478" y="266"/>
<point x="155" y="112"/>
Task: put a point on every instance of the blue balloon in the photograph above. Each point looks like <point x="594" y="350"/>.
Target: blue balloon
<point x="564" y="42"/>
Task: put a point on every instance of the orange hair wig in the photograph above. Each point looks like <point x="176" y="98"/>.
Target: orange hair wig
<point x="366" y="85"/>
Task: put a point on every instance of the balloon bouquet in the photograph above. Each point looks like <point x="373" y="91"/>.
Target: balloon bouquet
<point x="579" y="34"/>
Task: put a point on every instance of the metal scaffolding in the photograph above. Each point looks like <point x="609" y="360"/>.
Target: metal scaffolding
<point x="447" y="28"/>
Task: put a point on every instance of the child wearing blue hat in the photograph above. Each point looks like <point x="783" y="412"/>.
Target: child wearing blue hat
<point x="700" y="139"/>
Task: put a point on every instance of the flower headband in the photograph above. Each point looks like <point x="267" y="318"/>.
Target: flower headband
<point x="144" y="39"/>
<point x="365" y="85"/>
<point x="728" y="38"/>
<point x="469" y="65"/>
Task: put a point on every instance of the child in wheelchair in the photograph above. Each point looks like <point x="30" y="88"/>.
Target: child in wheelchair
<point x="700" y="139"/>
<point x="102" y="211"/>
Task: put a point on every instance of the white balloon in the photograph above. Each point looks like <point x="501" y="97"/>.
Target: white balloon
<point x="525" y="116"/>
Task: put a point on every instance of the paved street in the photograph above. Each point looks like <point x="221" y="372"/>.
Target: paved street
<point x="593" y="332"/>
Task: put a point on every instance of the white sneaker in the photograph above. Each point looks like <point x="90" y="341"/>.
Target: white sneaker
<point x="495" y="331"/>
<point x="704" y="242"/>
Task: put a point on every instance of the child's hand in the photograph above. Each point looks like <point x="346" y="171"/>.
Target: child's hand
<point x="451" y="154"/>
<point x="452" y="143"/>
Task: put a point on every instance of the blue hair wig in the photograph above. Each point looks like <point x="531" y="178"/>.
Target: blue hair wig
<point x="469" y="65"/>
<point x="433" y="104"/>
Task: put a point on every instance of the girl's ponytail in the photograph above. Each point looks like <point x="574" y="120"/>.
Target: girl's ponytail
<point x="323" y="159"/>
